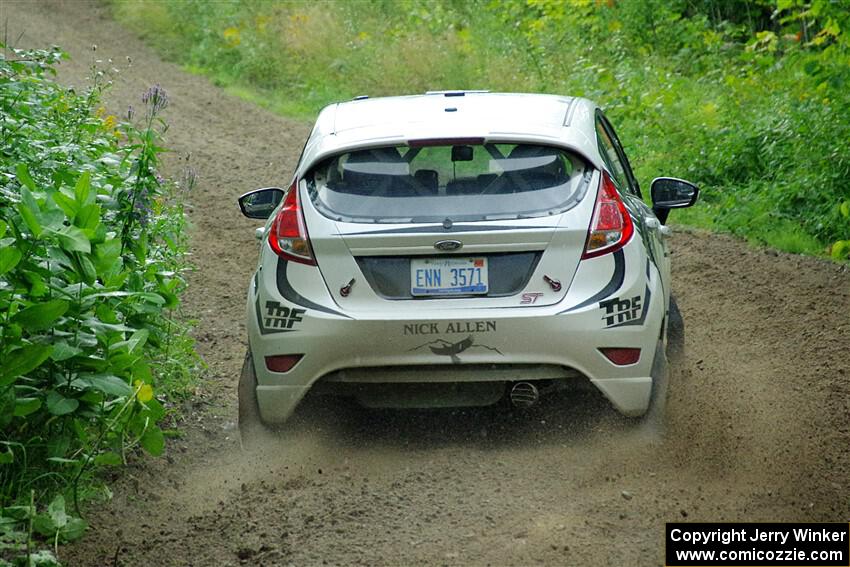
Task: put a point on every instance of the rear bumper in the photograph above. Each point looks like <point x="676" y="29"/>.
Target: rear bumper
<point x="556" y="335"/>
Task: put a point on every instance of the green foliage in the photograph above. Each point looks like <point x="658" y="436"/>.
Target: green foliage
<point x="747" y="98"/>
<point x="18" y="525"/>
<point x="841" y="249"/>
<point x="91" y="256"/>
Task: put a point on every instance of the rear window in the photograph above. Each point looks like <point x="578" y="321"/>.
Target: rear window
<point x="402" y="184"/>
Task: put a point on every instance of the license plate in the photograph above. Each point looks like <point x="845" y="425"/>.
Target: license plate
<point x="448" y="276"/>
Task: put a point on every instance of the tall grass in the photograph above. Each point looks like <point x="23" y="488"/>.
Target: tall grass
<point x="748" y="98"/>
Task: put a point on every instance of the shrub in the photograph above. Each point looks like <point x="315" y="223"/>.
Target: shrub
<point x="91" y="256"/>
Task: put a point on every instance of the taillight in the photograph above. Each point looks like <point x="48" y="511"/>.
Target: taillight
<point x="611" y="226"/>
<point x="288" y="234"/>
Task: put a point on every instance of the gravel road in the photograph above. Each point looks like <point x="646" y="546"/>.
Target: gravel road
<point x="758" y="424"/>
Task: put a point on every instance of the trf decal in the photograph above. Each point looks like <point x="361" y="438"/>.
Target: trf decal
<point x="619" y="311"/>
<point x="281" y="317"/>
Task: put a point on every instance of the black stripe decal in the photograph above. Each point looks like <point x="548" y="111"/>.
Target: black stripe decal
<point x="285" y="289"/>
<point x="612" y="286"/>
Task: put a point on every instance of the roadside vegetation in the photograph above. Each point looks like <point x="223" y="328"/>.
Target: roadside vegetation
<point x="91" y="268"/>
<point x="747" y="98"/>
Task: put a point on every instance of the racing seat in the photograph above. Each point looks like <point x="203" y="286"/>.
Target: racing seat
<point x="362" y="183"/>
<point x="546" y="175"/>
<point x="428" y="181"/>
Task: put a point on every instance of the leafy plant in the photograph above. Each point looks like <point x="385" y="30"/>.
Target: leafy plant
<point x="19" y="523"/>
<point x="841" y="248"/>
<point x="91" y="262"/>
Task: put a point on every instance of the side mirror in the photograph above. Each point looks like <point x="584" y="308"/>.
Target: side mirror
<point x="671" y="193"/>
<point x="261" y="203"/>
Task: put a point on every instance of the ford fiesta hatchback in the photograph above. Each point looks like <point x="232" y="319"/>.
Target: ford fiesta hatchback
<point x="459" y="248"/>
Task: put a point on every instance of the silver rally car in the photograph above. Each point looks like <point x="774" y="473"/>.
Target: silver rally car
<point x="458" y="249"/>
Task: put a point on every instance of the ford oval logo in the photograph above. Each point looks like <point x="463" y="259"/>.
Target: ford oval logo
<point x="448" y="245"/>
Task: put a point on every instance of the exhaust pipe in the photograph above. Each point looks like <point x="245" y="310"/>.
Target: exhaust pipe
<point x="524" y="395"/>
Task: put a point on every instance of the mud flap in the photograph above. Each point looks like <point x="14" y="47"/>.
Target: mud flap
<point x="675" y="334"/>
<point x="250" y="424"/>
<point x="654" y="416"/>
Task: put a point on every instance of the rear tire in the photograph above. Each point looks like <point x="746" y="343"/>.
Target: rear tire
<point x="250" y="423"/>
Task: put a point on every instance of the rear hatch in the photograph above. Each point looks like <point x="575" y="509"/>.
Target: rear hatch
<point x="448" y="224"/>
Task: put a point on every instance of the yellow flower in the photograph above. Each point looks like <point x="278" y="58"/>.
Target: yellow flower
<point x="231" y="36"/>
<point x="110" y="122"/>
<point x="262" y="23"/>
<point x="144" y="392"/>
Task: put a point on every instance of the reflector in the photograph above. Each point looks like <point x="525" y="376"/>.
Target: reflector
<point x="282" y="362"/>
<point x="621" y="356"/>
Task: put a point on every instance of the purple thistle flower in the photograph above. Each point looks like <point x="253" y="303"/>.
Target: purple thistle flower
<point x="156" y="99"/>
<point x="142" y="209"/>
